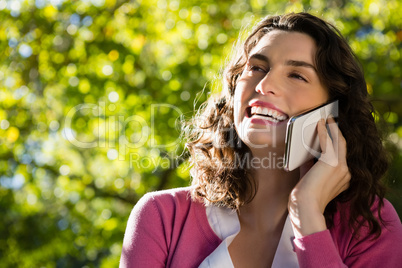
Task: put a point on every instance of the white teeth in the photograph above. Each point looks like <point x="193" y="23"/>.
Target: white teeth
<point x="270" y="112"/>
<point x="274" y="115"/>
<point x="266" y="118"/>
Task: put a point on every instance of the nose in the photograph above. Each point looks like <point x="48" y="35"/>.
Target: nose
<point x="269" y="84"/>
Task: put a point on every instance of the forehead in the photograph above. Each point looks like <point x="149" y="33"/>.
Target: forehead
<point x="292" y="44"/>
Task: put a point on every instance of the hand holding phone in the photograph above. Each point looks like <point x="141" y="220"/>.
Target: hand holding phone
<point x="301" y="141"/>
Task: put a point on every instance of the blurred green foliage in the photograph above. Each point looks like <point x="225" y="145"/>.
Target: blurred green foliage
<point x="90" y="95"/>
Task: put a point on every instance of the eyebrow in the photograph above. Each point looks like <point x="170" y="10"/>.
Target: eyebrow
<point x="299" y="63"/>
<point x="295" y="63"/>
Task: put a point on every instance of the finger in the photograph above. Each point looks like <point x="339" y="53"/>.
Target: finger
<point x="324" y="138"/>
<point x="328" y="154"/>
<point x="338" y="139"/>
<point x="322" y="135"/>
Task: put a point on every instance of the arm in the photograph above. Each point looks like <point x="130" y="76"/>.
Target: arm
<point x="319" y="250"/>
<point x="144" y="242"/>
<point x="314" y="244"/>
<point x="323" y="182"/>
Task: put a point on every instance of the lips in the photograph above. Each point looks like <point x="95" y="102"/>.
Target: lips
<point x="265" y="111"/>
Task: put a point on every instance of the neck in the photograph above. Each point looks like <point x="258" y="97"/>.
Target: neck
<point x="268" y="210"/>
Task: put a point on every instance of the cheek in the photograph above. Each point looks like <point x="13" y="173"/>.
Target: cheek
<point x="299" y="101"/>
<point x="238" y="103"/>
<point x="236" y="113"/>
<point x="241" y="93"/>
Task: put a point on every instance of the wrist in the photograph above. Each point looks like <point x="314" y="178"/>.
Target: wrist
<point x="306" y="217"/>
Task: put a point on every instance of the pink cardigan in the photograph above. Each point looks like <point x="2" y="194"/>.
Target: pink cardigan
<point x="168" y="229"/>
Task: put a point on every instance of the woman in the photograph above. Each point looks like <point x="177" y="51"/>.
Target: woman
<point x="243" y="209"/>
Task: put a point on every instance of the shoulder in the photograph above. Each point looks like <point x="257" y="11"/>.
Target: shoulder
<point x="388" y="212"/>
<point x="163" y="211"/>
<point x="167" y="199"/>
<point x="161" y="227"/>
<point x="170" y="206"/>
<point x="389" y="220"/>
<point x="387" y="215"/>
<point x="386" y="244"/>
<point x="169" y="194"/>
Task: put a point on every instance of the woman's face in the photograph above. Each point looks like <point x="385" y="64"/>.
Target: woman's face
<point x="279" y="81"/>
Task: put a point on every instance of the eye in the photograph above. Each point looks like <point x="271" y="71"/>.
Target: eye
<point x="297" y="76"/>
<point x="255" y="68"/>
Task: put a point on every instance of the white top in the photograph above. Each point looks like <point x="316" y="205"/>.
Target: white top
<point x="225" y="223"/>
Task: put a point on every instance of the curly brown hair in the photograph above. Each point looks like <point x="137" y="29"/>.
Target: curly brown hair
<point x="217" y="152"/>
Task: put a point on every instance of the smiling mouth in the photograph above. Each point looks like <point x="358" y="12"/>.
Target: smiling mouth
<point x="265" y="114"/>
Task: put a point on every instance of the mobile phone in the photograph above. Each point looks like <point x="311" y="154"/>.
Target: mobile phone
<point x="301" y="141"/>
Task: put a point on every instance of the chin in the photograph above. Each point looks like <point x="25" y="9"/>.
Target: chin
<point x="256" y="141"/>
